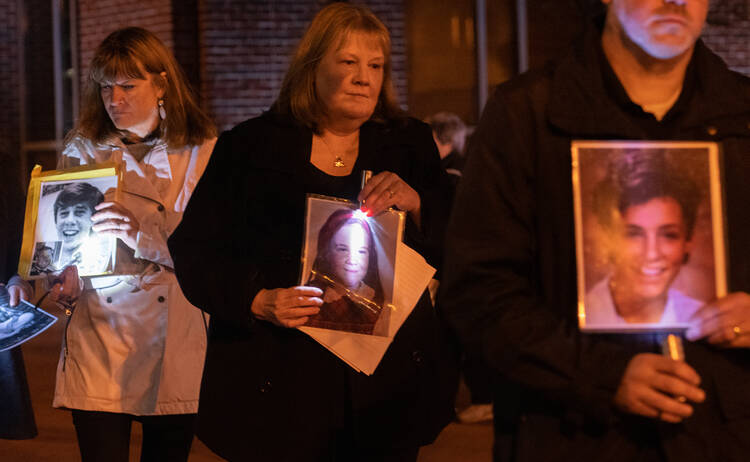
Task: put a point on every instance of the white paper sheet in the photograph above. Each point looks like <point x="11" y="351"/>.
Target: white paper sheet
<point x="364" y="352"/>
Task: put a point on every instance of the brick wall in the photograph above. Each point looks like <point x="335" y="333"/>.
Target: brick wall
<point x="9" y="78"/>
<point x="728" y="32"/>
<point x="97" y="18"/>
<point x="246" y="45"/>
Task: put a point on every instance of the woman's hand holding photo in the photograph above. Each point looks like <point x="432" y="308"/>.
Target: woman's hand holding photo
<point x="289" y="307"/>
<point x="117" y="220"/>
<point x="17" y="293"/>
<point x="386" y="189"/>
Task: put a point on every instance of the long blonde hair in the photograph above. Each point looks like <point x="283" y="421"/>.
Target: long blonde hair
<point x="120" y="55"/>
<point x="329" y="29"/>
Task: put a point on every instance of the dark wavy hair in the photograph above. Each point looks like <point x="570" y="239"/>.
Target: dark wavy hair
<point x="78" y="193"/>
<point x="322" y="263"/>
<point x="638" y="176"/>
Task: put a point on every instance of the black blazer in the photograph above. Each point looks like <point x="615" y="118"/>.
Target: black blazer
<point x="16" y="413"/>
<point x="274" y="393"/>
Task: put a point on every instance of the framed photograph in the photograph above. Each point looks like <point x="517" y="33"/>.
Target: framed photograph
<point x="650" y="239"/>
<point x="20" y="323"/>
<point x="57" y="227"/>
<point x="351" y="257"/>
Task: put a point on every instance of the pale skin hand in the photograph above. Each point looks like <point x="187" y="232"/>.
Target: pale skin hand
<point x="716" y="321"/>
<point x="113" y="218"/>
<point x="386" y="189"/>
<point x="658" y="387"/>
<point x="290" y="307"/>
<point x="16" y="294"/>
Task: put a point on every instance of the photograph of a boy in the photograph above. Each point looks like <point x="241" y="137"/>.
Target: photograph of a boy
<point x="45" y="258"/>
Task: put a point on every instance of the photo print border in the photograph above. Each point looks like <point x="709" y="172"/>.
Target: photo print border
<point x="40" y="233"/>
<point x="362" y="309"/>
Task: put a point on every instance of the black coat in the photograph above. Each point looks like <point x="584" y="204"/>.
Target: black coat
<point x="510" y="281"/>
<point x="16" y="413"/>
<point x="274" y="393"/>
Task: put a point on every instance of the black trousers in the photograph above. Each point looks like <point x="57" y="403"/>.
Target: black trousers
<point x="106" y="436"/>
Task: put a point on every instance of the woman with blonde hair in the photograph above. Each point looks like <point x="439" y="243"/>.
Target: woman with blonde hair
<point x="269" y="391"/>
<point x="133" y="348"/>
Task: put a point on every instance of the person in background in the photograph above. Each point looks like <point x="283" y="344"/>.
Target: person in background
<point x="134" y="346"/>
<point x="449" y="133"/>
<point x="640" y="72"/>
<point x="16" y="413"/>
<point x="270" y="392"/>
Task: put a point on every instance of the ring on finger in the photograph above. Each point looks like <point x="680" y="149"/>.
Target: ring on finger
<point x="737" y="331"/>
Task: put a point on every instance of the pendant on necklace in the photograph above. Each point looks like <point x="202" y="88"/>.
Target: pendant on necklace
<point x="338" y="162"/>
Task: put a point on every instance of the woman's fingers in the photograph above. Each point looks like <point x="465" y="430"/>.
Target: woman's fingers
<point x="16" y="293"/>
<point x="380" y="192"/>
<point x="386" y="189"/>
<point x="293" y="317"/>
<point x="112" y="225"/>
<point x="290" y="307"/>
<point x="110" y="214"/>
<point x="371" y="185"/>
<point x="113" y="218"/>
<point x="303" y="291"/>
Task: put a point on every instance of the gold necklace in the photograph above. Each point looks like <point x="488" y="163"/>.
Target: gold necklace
<point x="338" y="161"/>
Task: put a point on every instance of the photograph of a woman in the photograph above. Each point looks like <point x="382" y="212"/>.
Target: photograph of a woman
<point x="346" y="269"/>
<point x="645" y="211"/>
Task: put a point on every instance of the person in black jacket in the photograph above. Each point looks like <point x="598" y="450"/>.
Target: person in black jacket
<point x="270" y="392"/>
<point x="16" y="413"/>
<point x="510" y="286"/>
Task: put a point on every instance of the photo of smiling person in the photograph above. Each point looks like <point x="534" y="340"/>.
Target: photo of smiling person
<point x="346" y="269"/>
<point x="647" y="209"/>
<point x="73" y="209"/>
<point x="65" y="231"/>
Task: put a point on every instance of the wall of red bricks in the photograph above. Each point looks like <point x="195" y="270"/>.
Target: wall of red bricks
<point x="10" y="115"/>
<point x="728" y="32"/>
<point x="236" y="51"/>
<point x="97" y="18"/>
<point x="246" y="45"/>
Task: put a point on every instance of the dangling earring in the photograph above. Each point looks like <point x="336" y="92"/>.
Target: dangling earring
<point x="162" y="111"/>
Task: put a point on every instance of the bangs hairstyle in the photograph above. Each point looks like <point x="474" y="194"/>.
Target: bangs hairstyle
<point x="329" y="29"/>
<point x="128" y="53"/>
